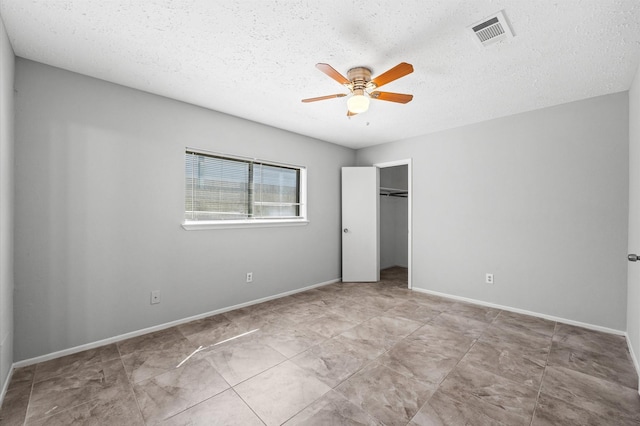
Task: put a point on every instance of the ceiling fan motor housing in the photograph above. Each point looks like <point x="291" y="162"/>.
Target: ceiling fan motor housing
<point x="360" y="77"/>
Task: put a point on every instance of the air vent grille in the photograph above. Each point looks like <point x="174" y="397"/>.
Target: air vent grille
<point x="491" y="30"/>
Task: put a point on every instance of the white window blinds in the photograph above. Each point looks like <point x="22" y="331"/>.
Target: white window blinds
<point x="223" y="188"/>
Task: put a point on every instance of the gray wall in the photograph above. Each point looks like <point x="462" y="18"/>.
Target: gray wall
<point x="633" y="292"/>
<point x="100" y="199"/>
<point x="394" y="241"/>
<point x="539" y="199"/>
<point x="6" y="204"/>
<point x="394" y="177"/>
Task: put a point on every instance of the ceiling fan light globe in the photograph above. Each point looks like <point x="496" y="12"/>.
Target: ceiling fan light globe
<point x="358" y="103"/>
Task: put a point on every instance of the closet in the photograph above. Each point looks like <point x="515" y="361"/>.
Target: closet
<point x="394" y="226"/>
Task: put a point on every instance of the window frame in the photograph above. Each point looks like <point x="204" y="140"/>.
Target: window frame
<point x="300" y="220"/>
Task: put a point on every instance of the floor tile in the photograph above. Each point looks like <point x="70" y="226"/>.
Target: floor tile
<point x="329" y="324"/>
<point x="356" y="312"/>
<point x="379" y="334"/>
<point x="413" y="311"/>
<point x="333" y="361"/>
<point x="475" y="312"/>
<point x="159" y="358"/>
<point x="466" y="326"/>
<point x="520" y="365"/>
<point x="414" y="359"/>
<point x="219" y="333"/>
<point x="332" y="409"/>
<point x="279" y="303"/>
<point x="396" y="327"/>
<point x="526" y="323"/>
<point x="446" y="341"/>
<point x="591" y="393"/>
<point x="16" y="400"/>
<point x="224" y="409"/>
<point x="551" y="412"/>
<point x="441" y="410"/>
<point x="281" y="392"/>
<point x="203" y="324"/>
<point x="302" y="312"/>
<point x="176" y="390"/>
<point x="242" y="359"/>
<point x="251" y="320"/>
<point x="248" y="311"/>
<point x="399" y="294"/>
<point x="309" y="295"/>
<point x="537" y="344"/>
<point x="329" y="300"/>
<point x="119" y="410"/>
<point x="380" y="301"/>
<point x="602" y="365"/>
<point x="70" y="363"/>
<point x="590" y="340"/>
<point x="60" y="393"/>
<point x="436" y="302"/>
<point x="150" y="341"/>
<point x="23" y="376"/>
<point x="515" y="400"/>
<point x="290" y="340"/>
<point x="385" y="394"/>
<point x="394" y="273"/>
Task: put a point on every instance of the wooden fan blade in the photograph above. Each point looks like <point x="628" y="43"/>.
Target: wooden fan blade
<point x="392" y="97"/>
<point x="328" y="70"/>
<point x="394" y="73"/>
<point x="322" y="98"/>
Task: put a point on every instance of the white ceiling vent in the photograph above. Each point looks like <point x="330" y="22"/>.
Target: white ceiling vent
<point x="491" y="30"/>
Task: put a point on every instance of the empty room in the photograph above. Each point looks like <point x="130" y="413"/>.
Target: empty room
<point x="319" y="212"/>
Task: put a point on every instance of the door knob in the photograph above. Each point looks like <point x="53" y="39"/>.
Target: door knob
<point x="633" y="257"/>
<point x="346" y="230"/>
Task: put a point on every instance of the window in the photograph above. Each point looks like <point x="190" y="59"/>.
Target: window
<point x="225" y="190"/>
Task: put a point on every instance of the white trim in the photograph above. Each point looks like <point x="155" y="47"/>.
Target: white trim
<point x="242" y="158"/>
<point x="136" y="333"/>
<point x="406" y="162"/>
<point x="634" y="358"/>
<point x="524" y="312"/>
<point x="232" y="224"/>
<point x="5" y="386"/>
<point x="299" y="220"/>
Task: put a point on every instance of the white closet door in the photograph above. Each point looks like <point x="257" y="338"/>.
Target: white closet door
<point x="360" y="224"/>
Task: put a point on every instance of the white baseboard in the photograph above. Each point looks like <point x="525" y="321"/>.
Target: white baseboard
<point x="159" y="327"/>
<point x="634" y="358"/>
<point x="5" y="385"/>
<point x="523" y="311"/>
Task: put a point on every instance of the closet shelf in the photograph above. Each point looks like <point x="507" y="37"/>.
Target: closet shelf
<point x="394" y="192"/>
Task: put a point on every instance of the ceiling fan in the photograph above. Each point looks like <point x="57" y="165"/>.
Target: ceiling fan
<point x="363" y="87"/>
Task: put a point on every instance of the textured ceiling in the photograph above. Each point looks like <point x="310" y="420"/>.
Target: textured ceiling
<point x="255" y="58"/>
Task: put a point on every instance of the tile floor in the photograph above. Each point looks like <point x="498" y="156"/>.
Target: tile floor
<point x="342" y="354"/>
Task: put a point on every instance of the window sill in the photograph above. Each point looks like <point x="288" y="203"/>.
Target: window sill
<point x="230" y="224"/>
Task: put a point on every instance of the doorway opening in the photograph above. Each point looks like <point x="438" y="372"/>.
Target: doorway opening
<point x="395" y="222"/>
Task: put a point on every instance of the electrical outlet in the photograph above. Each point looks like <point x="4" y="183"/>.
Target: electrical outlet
<point x="155" y="297"/>
<point x="249" y="277"/>
<point x="488" y="279"/>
